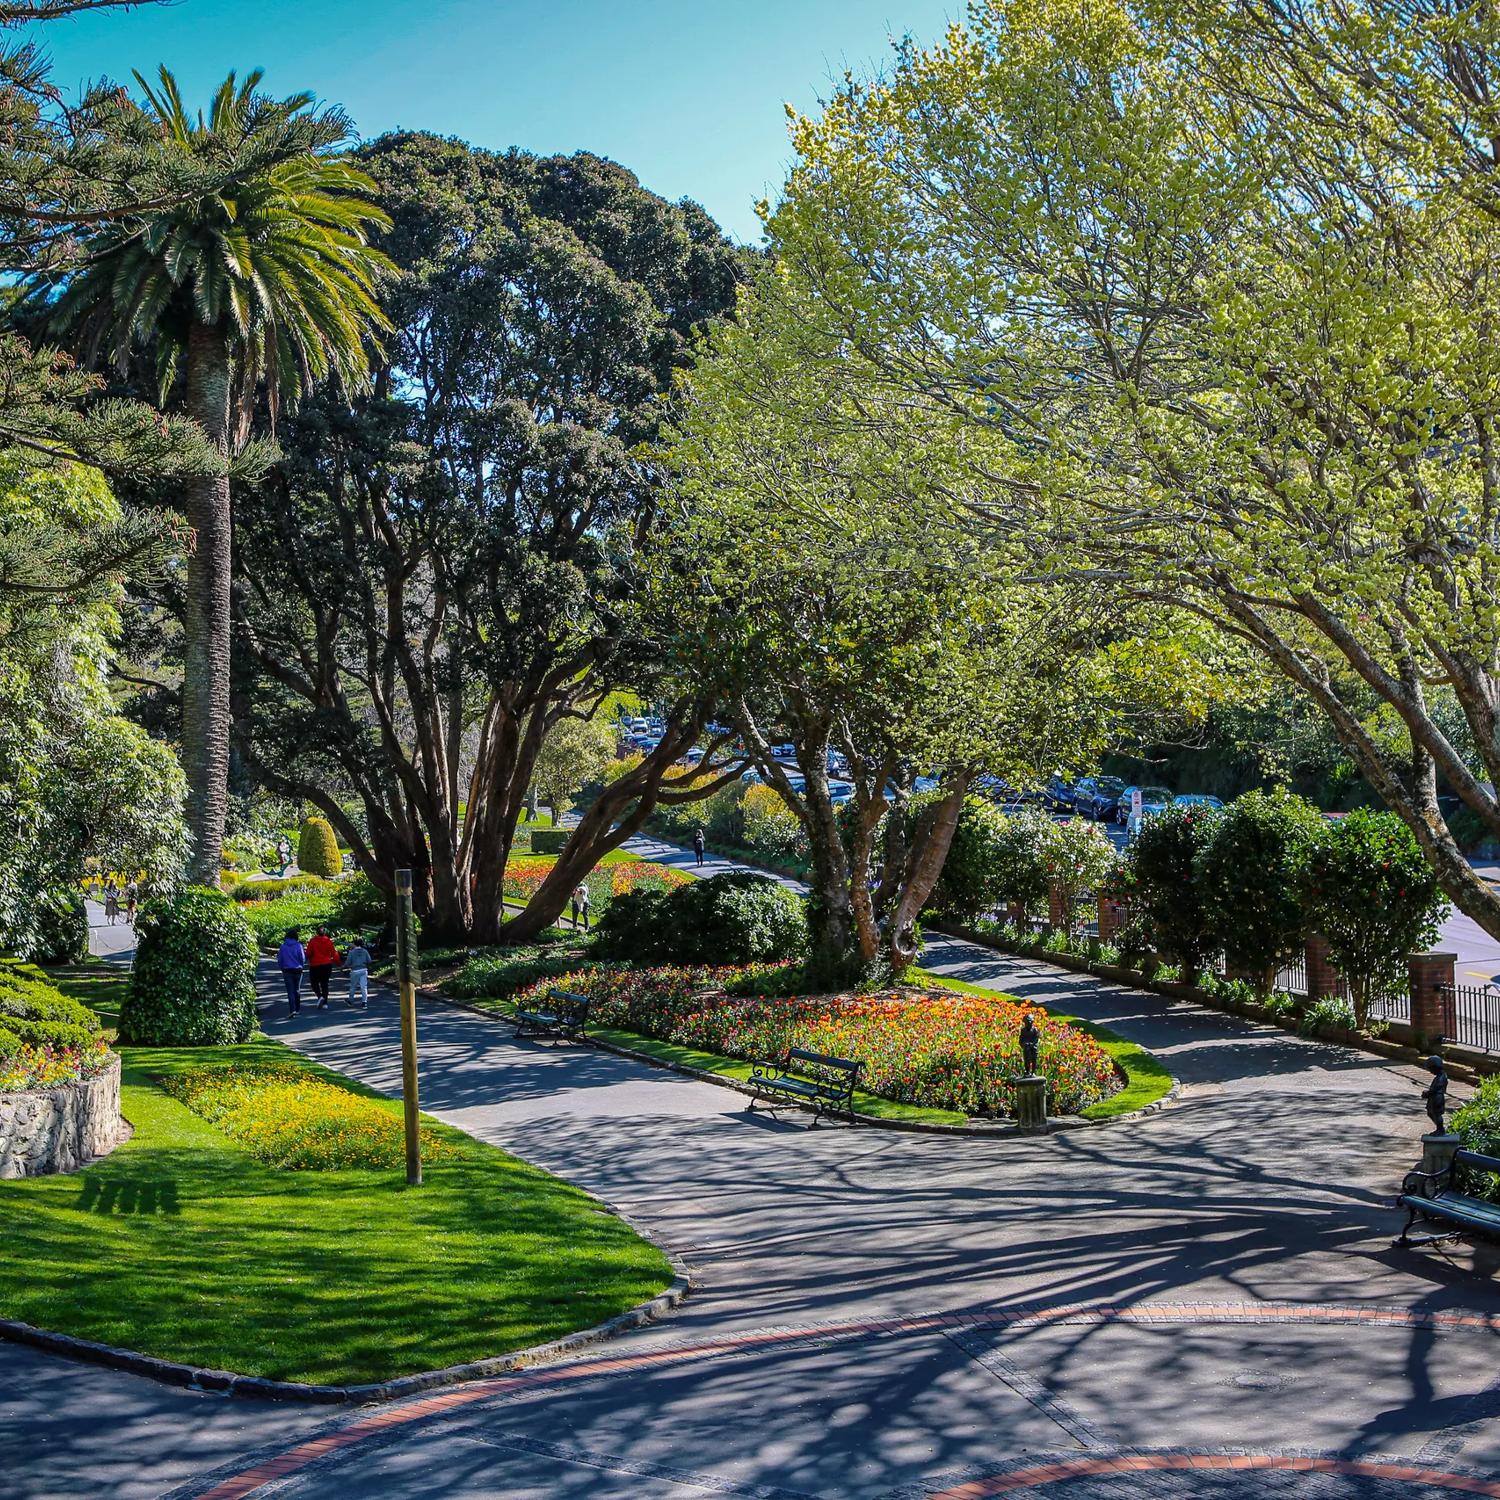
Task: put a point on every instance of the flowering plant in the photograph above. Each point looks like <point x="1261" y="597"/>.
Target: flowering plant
<point x="938" y="1050"/>
<point x="47" y="1067"/>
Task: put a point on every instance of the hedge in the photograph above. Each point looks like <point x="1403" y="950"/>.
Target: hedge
<point x="549" y="840"/>
<point x="35" y="1014"/>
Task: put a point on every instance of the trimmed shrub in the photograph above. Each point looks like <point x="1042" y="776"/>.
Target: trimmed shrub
<point x="278" y="885"/>
<point x="1367" y="888"/>
<point x="193" y="984"/>
<point x="318" y="850"/>
<point x="35" y="1014"/>
<point x="1248" y="884"/>
<point x="358" y="903"/>
<point x="549" y="840"/>
<point x="1159" y="876"/>
<point x="736" y="918"/>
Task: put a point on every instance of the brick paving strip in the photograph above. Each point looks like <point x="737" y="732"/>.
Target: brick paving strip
<point x="303" y="1454"/>
<point x="1063" y="1470"/>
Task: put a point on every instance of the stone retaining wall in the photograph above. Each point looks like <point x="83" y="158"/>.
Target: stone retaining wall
<point x="58" y="1130"/>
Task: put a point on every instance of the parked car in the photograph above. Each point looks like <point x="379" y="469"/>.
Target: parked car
<point x="1057" y="795"/>
<point x="783" y="752"/>
<point x="1195" y="799"/>
<point x="1097" y="796"/>
<point x="1153" y="800"/>
<point x="840" y="792"/>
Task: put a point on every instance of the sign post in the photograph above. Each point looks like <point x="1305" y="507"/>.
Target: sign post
<point x="406" y="978"/>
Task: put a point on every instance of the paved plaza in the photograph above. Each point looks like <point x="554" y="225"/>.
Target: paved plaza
<point x="1202" y="1302"/>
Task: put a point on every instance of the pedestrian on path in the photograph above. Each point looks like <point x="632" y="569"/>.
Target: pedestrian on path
<point x="581" y="906"/>
<point x="322" y="959"/>
<point x="291" y="959"/>
<point x="358" y="960"/>
<point x="698" y="844"/>
<point x="111" y="904"/>
<point x="132" y="894"/>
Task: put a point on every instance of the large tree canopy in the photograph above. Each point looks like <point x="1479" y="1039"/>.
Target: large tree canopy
<point x="439" y="574"/>
<point x="1211" y="290"/>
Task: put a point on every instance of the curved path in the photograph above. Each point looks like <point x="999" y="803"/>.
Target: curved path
<point x="1203" y="1302"/>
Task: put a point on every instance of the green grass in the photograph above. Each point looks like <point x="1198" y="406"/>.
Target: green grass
<point x="100" y="986"/>
<point x="1146" y="1079"/>
<point x="182" y="1245"/>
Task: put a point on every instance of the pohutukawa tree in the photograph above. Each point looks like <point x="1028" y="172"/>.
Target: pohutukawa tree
<point x="442" y="574"/>
<point x="247" y="292"/>
<point x="1211" y="291"/>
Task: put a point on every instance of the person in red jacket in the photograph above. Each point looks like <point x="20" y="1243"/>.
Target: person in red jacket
<point x="322" y="957"/>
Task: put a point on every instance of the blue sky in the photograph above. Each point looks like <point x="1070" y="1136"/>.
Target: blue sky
<point x="688" y="95"/>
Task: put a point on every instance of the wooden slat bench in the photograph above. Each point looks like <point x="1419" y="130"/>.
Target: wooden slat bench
<point x="808" y="1078"/>
<point x="561" y="1016"/>
<point x="1436" y="1196"/>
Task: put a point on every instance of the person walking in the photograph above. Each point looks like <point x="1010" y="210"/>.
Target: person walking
<point x="291" y="959"/>
<point x="581" y="906"/>
<point x="357" y="958"/>
<point x="322" y="958"/>
<point x="698" y="844"/>
<point x="132" y="895"/>
<point x="111" y="904"/>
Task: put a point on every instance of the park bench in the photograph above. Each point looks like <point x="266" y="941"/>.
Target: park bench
<point x="561" y="1016"/>
<point x="1436" y="1196"/>
<point x="808" y="1078"/>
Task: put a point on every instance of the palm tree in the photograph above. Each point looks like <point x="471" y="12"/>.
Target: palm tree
<point x="255" y="282"/>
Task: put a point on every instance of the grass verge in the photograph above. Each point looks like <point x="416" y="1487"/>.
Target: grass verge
<point x="182" y="1245"/>
<point x="1146" y="1079"/>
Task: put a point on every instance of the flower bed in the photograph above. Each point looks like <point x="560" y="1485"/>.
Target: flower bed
<point x="605" y="882"/>
<point x="934" y="1050"/>
<point x="287" y="1119"/>
<point x="47" y="1067"/>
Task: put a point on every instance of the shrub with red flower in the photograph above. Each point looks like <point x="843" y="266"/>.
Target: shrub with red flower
<point x="938" y="1050"/>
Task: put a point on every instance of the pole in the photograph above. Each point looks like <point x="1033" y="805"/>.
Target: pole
<point x="406" y="969"/>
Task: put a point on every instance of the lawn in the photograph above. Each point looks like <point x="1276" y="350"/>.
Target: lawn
<point x="182" y="1245"/>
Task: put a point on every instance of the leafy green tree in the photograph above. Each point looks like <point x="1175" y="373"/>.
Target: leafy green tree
<point x="1367" y="888"/>
<point x="1247" y="878"/>
<point x="258" y="287"/>
<point x="979" y="870"/>
<point x="1018" y="859"/>
<point x="1160" y="876"/>
<point x="442" y="573"/>
<point x="1208" y="291"/>
<point x="574" y="753"/>
<point x="80" y="787"/>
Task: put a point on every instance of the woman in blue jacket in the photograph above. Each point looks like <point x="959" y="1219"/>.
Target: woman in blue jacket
<point x="291" y="958"/>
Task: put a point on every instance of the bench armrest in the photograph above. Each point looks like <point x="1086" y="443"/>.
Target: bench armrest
<point x="1425" y="1184"/>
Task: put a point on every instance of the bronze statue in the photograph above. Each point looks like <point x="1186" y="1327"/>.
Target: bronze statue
<point x="1030" y="1039"/>
<point x="1436" y="1094"/>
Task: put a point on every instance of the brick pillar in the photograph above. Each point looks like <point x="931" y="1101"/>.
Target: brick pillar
<point x="1429" y="972"/>
<point x="1322" y="978"/>
<point x="1112" y="917"/>
<point x="1055" y="913"/>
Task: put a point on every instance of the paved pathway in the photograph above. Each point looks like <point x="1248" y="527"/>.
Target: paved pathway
<point x="1200" y="1303"/>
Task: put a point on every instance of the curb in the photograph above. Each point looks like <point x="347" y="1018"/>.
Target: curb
<point x="228" y="1383"/>
<point x="1055" y="1123"/>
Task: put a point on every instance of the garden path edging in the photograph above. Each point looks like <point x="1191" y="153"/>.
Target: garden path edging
<point x="229" y="1383"/>
<point x="1055" y="1123"/>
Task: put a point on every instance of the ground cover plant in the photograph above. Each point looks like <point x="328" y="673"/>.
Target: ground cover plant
<point x="934" y="1050"/>
<point x="183" y="1244"/>
<point x="286" y="1119"/>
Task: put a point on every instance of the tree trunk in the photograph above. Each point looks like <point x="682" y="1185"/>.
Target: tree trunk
<point x="205" y="621"/>
<point x="933" y="840"/>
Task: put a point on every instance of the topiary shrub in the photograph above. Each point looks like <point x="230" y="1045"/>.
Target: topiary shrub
<point x="193" y="984"/>
<point x="737" y="918"/>
<point x="33" y="1013"/>
<point x="318" y="850"/>
<point x="1166" y="898"/>
<point x="549" y="840"/>
<point x="1248" y="881"/>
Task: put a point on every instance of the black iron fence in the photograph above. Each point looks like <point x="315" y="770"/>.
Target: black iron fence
<point x="1471" y="1015"/>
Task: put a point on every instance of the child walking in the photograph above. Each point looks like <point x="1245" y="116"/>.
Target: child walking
<point x="358" y="960"/>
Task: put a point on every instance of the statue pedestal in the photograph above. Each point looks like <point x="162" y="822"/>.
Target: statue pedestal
<point x="1438" y="1151"/>
<point x="1031" y="1103"/>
